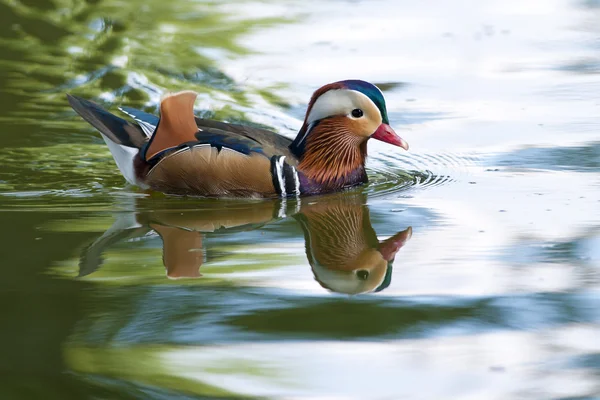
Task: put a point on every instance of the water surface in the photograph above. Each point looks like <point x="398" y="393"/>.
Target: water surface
<point x="468" y="268"/>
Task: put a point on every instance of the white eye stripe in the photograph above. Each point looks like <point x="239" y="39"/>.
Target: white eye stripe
<point x="338" y="102"/>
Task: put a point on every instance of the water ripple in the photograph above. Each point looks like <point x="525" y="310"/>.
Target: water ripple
<point x="393" y="174"/>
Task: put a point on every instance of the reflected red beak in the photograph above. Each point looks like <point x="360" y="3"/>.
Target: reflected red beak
<point x="389" y="247"/>
<point x="385" y="133"/>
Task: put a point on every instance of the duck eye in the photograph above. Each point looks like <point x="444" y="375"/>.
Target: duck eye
<point x="362" y="274"/>
<point x="357" y="113"/>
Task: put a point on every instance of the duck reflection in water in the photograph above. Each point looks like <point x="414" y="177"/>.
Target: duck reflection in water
<point x="341" y="246"/>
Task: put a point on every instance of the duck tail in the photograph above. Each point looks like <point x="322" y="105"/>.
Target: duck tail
<point x="123" y="138"/>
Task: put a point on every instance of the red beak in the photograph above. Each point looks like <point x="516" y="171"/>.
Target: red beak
<point x="385" y="133"/>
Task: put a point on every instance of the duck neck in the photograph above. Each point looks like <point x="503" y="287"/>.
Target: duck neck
<point x="330" y="157"/>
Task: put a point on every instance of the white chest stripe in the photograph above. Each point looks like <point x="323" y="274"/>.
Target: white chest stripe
<point x="280" y="176"/>
<point x="296" y="182"/>
<point x="285" y="177"/>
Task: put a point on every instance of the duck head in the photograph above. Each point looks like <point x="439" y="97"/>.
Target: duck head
<point x="341" y="117"/>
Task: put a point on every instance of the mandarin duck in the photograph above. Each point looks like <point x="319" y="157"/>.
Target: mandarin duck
<point x="179" y="153"/>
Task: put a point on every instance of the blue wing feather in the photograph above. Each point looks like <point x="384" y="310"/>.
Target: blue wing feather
<point x="140" y="115"/>
<point x="219" y="139"/>
<point x="213" y="136"/>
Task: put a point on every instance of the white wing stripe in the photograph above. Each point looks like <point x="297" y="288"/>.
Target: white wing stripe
<point x="146" y="127"/>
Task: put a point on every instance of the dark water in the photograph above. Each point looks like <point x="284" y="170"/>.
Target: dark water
<point x="468" y="268"/>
